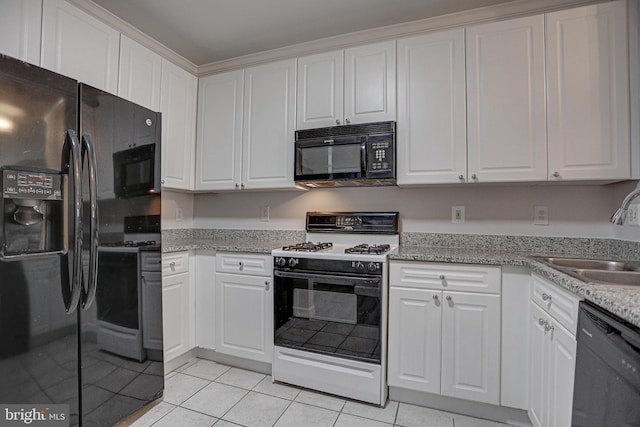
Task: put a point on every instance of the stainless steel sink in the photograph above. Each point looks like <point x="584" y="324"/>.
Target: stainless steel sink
<point x="593" y="264"/>
<point x="608" y="272"/>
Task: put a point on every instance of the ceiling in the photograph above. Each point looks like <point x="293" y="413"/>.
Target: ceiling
<point x="207" y="31"/>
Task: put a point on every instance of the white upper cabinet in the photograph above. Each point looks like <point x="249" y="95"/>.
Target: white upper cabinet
<point x="357" y="85"/>
<point x="219" y="134"/>
<point x="506" y="101"/>
<point x="320" y="90"/>
<point x="178" y="93"/>
<point x="432" y="140"/>
<point x="139" y="76"/>
<point x="588" y="97"/>
<point x="79" y="46"/>
<point x="370" y="83"/>
<point x="268" y="125"/>
<point x="20" y="25"/>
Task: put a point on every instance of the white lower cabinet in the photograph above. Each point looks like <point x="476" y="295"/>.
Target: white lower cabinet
<point x="444" y="341"/>
<point x="177" y="305"/>
<point x="552" y="368"/>
<point x="244" y="307"/>
<point x="205" y="299"/>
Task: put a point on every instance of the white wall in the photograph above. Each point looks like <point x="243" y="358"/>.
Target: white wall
<point x="173" y="204"/>
<point x="574" y="211"/>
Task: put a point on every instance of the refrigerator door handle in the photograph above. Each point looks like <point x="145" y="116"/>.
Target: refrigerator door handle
<point x="88" y="151"/>
<point x="71" y="166"/>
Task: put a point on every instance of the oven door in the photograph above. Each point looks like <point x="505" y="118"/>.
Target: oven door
<point x="336" y="158"/>
<point x="338" y="315"/>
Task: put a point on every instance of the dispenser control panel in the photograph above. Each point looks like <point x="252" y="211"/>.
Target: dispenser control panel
<point x="20" y="184"/>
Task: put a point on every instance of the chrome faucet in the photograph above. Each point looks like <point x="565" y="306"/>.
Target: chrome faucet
<point x="621" y="214"/>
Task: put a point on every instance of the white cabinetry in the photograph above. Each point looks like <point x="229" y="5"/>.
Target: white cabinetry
<point x="139" y="76"/>
<point x="506" y="101"/>
<point x="268" y="125"/>
<point x="178" y="107"/>
<point x="177" y="305"/>
<point x="432" y="135"/>
<point x="219" y="139"/>
<point x="205" y="299"/>
<point x="79" y="46"/>
<point x="244" y="306"/>
<point x="553" y="352"/>
<point x="444" y="329"/>
<point x="588" y="95"/>
<point x="356" y="85"/>
<point x="20" y="25"/>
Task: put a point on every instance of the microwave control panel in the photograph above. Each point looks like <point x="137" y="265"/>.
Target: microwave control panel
<point x="380" y="155"/>
<point x="20" y="184"/>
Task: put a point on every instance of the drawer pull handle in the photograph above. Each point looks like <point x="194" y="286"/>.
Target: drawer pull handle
<point x="442" y="277"/>
<point x="241" y="265"/>
<point x="448" y="298"/>
<point x="541" y="321"/>
<point x="266" y="285"/>
<point x="172" y="264"/>
<point x="435" y="297"/>
<point x="548" y="327"/>
<point x="546" y="297"/>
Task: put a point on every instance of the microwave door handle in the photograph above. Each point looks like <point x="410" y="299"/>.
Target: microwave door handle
<point x="363" y="158"/>
<point x="71" y="166"/>
<point x="88" y="151"/>
<point x="336" y="280"/>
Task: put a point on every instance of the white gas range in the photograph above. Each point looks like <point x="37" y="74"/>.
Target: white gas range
<point x="331" y="305"/>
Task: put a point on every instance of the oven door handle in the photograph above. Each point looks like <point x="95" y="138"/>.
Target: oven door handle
<point x="334" y="279"/>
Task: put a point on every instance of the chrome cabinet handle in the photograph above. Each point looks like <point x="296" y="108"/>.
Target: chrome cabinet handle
<point x="266" y="285"/>
<point x="556" y="174"/>
<point x="541" y="321"/>
<point x="435" y="297"/>
<point x="242" y="186"/>
<point x="546" y="297"/>
<point x="162" y="182"/>
<point x="461" y="177"/>
<point x="448" y="298"/>
<point x="474" y="177"/>
<point x="172" y="265"/>
<point x="237" y="186"/>
<point x="442" y="277"/>
<point x="548" y="327"/>
<point x="347" y="120"/>
<point x="337" y="121"/>
<point x="241" y="266"/>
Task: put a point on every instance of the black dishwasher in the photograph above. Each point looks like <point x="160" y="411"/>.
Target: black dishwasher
<point x="607" y="381"/>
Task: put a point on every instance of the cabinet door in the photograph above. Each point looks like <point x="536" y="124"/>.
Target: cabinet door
<point x="244" y="316"/>
<point x="151" y="310"/>
<point x="268" y="125"/>
<point x="80" y="46"/>
<point x="219" y="139"/>
<point x="20" y="25"/>
<point x="414" y="339"/>
<point x="370" y="83"/>
<point x="205" y="300"/>
<point x="471" y="347"/>
<point x="588" y="72"/>
<point x="432" y="133"/>
<point x="562" y="365"/>
<point x="320" y="90"/>
<point x="506" y="101"/>
<point x="538" y="368"/>
<point x="176" y="314"/>
<point x="178" y="106"/>
<point x="139" y="76"/>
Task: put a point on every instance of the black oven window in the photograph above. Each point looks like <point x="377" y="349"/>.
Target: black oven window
<point x="319" y="316"/>
<point x="117" y="291"/>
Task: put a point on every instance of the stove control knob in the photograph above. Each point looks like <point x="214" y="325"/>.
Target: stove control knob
<point x="372" y="267"/>
<point x="281" y="262"/>
<point x="293" y="262"/>
<point x="359" y="266"/>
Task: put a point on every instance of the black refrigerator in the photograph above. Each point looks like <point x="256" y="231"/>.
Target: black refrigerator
<point x="74" y="163"/>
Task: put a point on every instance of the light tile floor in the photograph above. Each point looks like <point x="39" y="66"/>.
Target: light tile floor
<point x="203" y="393"/>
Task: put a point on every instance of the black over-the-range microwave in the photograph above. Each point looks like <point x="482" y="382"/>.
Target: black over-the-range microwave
<point x="351" y="155"/>
<point x="136" y="171"/>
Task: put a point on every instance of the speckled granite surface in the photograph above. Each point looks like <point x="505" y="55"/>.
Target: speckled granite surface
<point x="454" y="248"/>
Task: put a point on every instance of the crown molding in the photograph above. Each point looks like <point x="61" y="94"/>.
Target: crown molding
<point x="133" y="33"/>
<point x="482" y="15"/>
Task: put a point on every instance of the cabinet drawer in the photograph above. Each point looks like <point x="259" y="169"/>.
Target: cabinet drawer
<point x="557" y="302"/>
<point x="150" y="261"/>
<point x="175" y="263"/>
<point x="454" y="277"/>
<point x="256" y="265"/>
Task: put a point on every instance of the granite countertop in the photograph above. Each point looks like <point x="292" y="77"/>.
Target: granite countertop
<point x="619" y="300"/>
<point x="515" y="251"/>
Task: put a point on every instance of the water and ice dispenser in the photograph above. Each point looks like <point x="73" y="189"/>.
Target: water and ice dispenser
<point x="33" y="213"/>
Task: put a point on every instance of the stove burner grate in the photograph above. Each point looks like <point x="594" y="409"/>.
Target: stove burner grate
<point x="308" y="247"/>
<point x="368" y="249"/>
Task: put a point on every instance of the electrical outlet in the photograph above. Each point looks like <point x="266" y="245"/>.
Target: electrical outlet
<point x="179" y="216"/>
<point x="264" y="213"/>
<point x="632" y="215"/>
<point x="457" y="214"/>
<point x="541" y="215"/>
